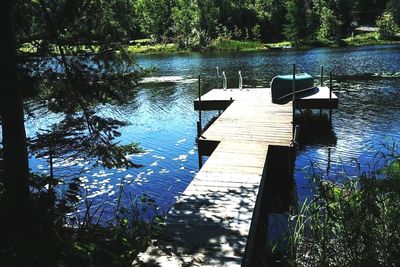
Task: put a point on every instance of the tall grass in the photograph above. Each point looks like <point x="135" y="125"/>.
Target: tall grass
<point x="371" y="38"/>
<point x="155" y="48"/>
<point x="351" y="221"/>
<point x="221" y="44"/>
<point x="67" y="231"/>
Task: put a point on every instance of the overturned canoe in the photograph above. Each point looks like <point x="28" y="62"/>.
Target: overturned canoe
<point x="282" y="85"/>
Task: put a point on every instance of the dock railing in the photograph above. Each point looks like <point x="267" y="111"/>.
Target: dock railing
<point x="330" y="98"/>
<point x="199" y="126"/>
<point x="294" y="96"/>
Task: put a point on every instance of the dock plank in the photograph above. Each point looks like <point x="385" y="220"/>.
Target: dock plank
<point x="209" y="224"/>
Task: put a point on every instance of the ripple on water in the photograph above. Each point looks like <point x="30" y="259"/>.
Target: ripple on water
<point x="168" y="79"/>
<point x="162" y="119"/>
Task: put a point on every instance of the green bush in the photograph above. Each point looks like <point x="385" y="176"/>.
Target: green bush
<point x="353" y="221"/>
<point x="61" y="235"/>
<point x="388" y="29"/>
<point x="234" y="45"/>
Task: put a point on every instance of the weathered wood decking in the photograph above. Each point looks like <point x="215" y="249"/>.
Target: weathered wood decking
<point x="210" y="223"/>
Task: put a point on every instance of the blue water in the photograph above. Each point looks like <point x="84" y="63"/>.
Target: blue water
<point x="163" y="121"/>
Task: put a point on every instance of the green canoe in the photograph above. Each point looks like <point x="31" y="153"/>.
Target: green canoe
<point x="282" y="85"/>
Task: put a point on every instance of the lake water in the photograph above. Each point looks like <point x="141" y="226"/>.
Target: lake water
<point x="163" y="121"/>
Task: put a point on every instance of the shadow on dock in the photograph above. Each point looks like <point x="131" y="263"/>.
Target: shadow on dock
<point x="223" y="217"/>
<point x="199" y="235"/>
<point x="210" y="227"/>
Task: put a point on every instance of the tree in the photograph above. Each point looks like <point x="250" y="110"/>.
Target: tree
<point x="225" y="17"/>
<point x="155" y="18"/>
<point x="245" y="17"/>
<point x="129" y="22"/>
<point x="314" y="19"/>
<point x="15" y="157"/>
<point x="14" y="188"/>
<point x="186" y="21"/>
<point x="344" y="11"/>
<point x="80" y="80"/>
<point x="295" y="28"/>
<point x="69" y="86"/>
<point x="368" y="10"/>
<point x="328" y="29"/>
<point x="208" y="20"/>
<point x="278" y="18"/>
<point x="388" y="29"/>
<point x="394" y="8"/>
<point x="68" y="80"/>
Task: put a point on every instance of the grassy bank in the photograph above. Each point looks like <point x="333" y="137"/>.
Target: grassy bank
<point x="368" y="39"/>
<point x="235" y="45"/>
<point x="350" y="220"/>
<point x="155" y="49"/>
<point x="216" y="45"/>
<point x="145" y="46"/>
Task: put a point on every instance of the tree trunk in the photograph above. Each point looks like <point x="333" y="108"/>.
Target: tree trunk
<point x="16" y="168"/>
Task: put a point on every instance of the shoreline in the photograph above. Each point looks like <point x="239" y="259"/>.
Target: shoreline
<point x="256" y="46"/>
<point x="142" y="47"/>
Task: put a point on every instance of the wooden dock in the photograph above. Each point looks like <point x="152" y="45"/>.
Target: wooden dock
<point x="222" y="211"/>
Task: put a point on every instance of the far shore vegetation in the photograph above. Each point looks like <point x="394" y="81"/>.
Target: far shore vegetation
<point x="363" y="39"/>
<point x="71" y="58"/>
<point x="178" y="26"/>
<point x="146" y="46"/>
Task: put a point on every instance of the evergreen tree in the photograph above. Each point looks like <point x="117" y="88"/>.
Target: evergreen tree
<point x="344" y="12"/>
<point x="226" y="13"/>
<point x="263" y="12"/>
<point x="278" y="18"/>
<point x="186" y="21"/>
<point x="208" y="20"/>
<point x="314" y="20"/>
<point x="69" y="86"/>
<point x="394" y="8"/>
<point x="328" y="29"/>
<point x="155" y="18"/>
<point x="367" y="11"/>
<point x="15" y="173"/>
<point x="388" y="29"/>
<point x="295" y="28"/>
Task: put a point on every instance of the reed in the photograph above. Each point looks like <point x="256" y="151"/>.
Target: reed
<point x="350" y="220"/>
<point x="71" y="230"/>
<point x="235" y="45"/>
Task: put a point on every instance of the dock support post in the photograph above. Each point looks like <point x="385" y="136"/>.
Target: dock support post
<point x="296" y="135"/>
<point x="200" y="159"/>
<point x="199" y="128"/>
<point x="321" y="84"/>
<point x="294" y="95"/>
<point x="51" y="163"/>
<point x="240" y="80"/>
<point x="217" y="77"/>
<point x="198" y="145"/>
<point x="322" y="76"/>
<point x="330" y="98"/>
<point x="224" y="82"/>
<point x="328" y="167"/>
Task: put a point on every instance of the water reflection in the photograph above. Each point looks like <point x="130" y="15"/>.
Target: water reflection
<point x="163" y="121"/>
<point x="315" y="129"/>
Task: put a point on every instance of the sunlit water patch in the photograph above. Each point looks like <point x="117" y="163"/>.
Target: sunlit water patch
<point x="168" y="79"/>
<point x="161" y="117"/>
